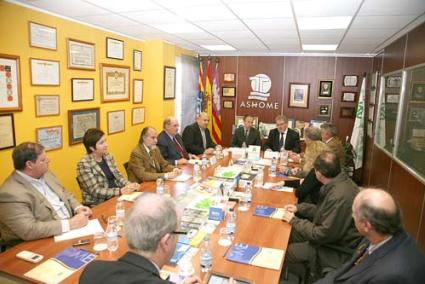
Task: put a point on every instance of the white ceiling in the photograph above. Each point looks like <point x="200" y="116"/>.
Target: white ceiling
<point x="252" y="27"/>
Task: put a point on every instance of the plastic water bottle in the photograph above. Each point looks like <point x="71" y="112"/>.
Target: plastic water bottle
<point x="273" y="168"/>
<point x="259" y="179"/>
<point x="206" y="257"/>
<point x="120" y="213"/>
<point x="112" y="234"/>
<point x="231" y="222"/>
<point x="248" y="194"/>
<point x="186" y="268"/>
<point x="196" y="172"/>
<point x="204" y="163"/>
<point x="159" y="186"/>
<point x="283" y="156"/>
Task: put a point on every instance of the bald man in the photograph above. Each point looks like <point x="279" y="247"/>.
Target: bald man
<point x="387" y="254"/>
<point x="197" y="138"/>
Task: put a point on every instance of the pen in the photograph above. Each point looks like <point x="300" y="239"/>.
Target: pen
<point x="227" y="250"/>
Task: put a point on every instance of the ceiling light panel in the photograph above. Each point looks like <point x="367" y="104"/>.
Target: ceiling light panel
<point x="271" y="24"/>
<point x="322" y="34"/>
<point x="323" y="23"/>
<point x="226" y="25"/>
<point x="125" y="5"/>
<point x="177" y="28"/>
<point x="381" y="22"/>
<point x="244" y="34"/>
<point x="218" y="47"/>
<point x="262" y="9"/>
<point x="325" y="8"/>
<point x="392" y="7"/>
<point x="368" y="33"/>
<point x="321" y="47"/>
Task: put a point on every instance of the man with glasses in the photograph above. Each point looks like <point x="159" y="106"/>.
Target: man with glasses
<point x="151" y="233"/>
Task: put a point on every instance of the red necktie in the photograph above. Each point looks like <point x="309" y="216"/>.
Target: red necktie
<point x="180" y="149"/>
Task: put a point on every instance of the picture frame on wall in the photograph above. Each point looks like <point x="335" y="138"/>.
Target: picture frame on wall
<point x="392" y="98"/>
<point x="137" y="115"/>
<point x="50" y="137"/>
<point x="137" y="91"/>
<point x="116" y="121"/>
<point x="229" y="77"/>
<point x="44" y="72"/>
<point x="393" y="82"/>
<point x="298" y="95"/>
<point x="229" y="92"/>
<point x="42" y="36"/>
<point x="81" y="55"/>
<point x="347" y="112"/>
<point x="79" y="120"/>
<point x="239" y="121"/>
<point x="349" y="97"/>
<point x="115" y="83"/>
<point x="325" y="89"/>
<point x="325" y="110"/>
<point x="416" y="114"/>
<point x="82" y="89"/>
<point x="47" y="105"/>
<point x="418" y="92"/>
<point x="137" y="60"/>
<point x="169" y="83"/>
<point x="350" y="80"/>
<point x="10" y="74"/>
<point x="227" y="104"/>
<point x="114" y="48"/>
<point x="7" y="131"/>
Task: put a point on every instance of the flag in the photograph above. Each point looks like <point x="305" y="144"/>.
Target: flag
<point x="380" y="128"/>
<point x="208" y="94"/>
<point x="216" y="108"/>
<point x="357" y="137"/>
<point x="200" y="97"/>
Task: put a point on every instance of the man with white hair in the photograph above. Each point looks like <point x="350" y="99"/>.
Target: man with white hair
<point x="151" y="232"/>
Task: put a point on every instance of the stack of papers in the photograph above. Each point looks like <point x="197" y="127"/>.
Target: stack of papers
<point x="90" y="229"/>
<point x="257" y="256"/>
<point x="269" y="212"/>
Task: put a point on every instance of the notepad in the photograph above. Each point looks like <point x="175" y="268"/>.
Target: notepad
<point x="269" y="212"/>
<point x="258" y="256"/>
<point x="91" y="228"/>
<point x="61" y="266"/>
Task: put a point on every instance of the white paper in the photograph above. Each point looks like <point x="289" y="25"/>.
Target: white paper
<point x="183" y="177"/>
<point x="130" y="197"/>
<point x="277" y="187"/>
<point x="271" y="154"/>
<point x="263" y="162"/>
<point x="92" y="227"/>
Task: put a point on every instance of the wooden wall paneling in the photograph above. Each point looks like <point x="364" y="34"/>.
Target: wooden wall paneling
<point x="308" y="70"/>
<point x="421" y="232"/>
<point x="367" y="166"/>
<point x="415" y="46"/>
<point x="410" y="193"/>
<point x="381" y="166"/>
<point x="394" y="55"/>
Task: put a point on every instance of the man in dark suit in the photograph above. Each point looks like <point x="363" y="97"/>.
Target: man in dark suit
<point x="197" y="138"/>
<point x="170" y="143"/>
<point x="246" y="134"/>
<point x="151" y="232"/>
<point x="282" y="135"/>
<point x="387" y="254"/>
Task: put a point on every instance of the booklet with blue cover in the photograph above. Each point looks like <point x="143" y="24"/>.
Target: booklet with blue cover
<point x="270" y="212"/>
<point x="181" y="249"/>
<point x="257" y="256"/>
<point x="62" y="265"/>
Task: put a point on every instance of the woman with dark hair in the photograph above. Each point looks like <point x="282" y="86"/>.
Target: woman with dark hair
<point x="97" y="174"/>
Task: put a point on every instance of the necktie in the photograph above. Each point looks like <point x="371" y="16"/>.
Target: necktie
<point x="179" y="148"/>
<point x="153" y="160"/>
<point x="246" y="135"/>
<point x="281" y="142"/>
<point x="361" y="257"/>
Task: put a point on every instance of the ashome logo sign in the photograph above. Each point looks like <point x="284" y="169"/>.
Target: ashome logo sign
<point x="260" y="85"/>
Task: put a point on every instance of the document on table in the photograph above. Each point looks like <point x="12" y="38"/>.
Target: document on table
<point x="277" y="187"/>
<point x="92" y="227"/>
<point x="183" y="177"/>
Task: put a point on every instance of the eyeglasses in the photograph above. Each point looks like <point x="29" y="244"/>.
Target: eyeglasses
<point x="178" y="233"/>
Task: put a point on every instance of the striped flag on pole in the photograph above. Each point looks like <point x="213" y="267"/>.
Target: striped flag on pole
<point x="208" y="93"/>
<point x="200" y="98"/>
<point x="357" y="136"/>
<point x="216" y="107"/>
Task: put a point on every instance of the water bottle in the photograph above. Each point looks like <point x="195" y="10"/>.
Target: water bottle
<point x="120" y="213"/>
<point x="112" y="234"/>
<point x="283" y="156"/>
<point x="186" y="268"/>
<point x="206" y="257"/>
<point x="218" y="152"/>
<point x="248" y="194"/>
<point x="273" y="168"/>
<point x="259" y="179"/>
<point x="159" y="186"/>
<point x="231" y="222"/>
<point x="204" y="163"/>
<point x="196" y="172"/>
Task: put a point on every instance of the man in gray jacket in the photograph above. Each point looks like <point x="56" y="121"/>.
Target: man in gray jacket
<point x="324" y="236"/>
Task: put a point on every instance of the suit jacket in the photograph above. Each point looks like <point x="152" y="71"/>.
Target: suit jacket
<point x="292" y="141"/>
<point x="239" y="137"/>
<point x="192" y="139"/>
<point x="131" y="268"/>
<point x="168" y="148"/>
<point x="25" y="214"/>
<point x="335" y="145"/>
<point x="140" y="166"/>
<point x="308" y="190"/>
<point x="93" y="182"/>
<point x="397" y="261"/>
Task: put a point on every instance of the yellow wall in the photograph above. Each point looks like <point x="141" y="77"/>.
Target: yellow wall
<point x="15" y="41"/>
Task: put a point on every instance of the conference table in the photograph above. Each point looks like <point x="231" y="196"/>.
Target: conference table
<point x="250" y="229"/>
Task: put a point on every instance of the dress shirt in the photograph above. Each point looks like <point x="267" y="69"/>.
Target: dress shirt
<point x="151" y="160"/>
<point x="371" y="248"/>
<point x="204" y="139"/>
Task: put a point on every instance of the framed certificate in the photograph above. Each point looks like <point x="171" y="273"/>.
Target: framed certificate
<point x="79" y="120"/>
<point x="137" y="60"/>
<point x="47" y="105"/>
<point x="137" y="115"/>
<point x="229" y="92"/>
<point x="7" y="131"/>
<point x="10" y="84"/>
<point x="44" y="72"/>
<point x="42" y="36"/>
<point x="169" y="83"/>
<point x="137" y="91"/>
<point x="228" y="104"/>
<point x="50" y="137"/>
<point x="115" y="82"/>
<point x="298" y="95"/>
<point x="350" y="80"/>
<point x="82" y="89"/>
<point x="349" y="97"/>
<point x="81" y="55"/>
<point x="229" y="77"/>
<point x="116" y="121"/>
<point x="114" y="48"/>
